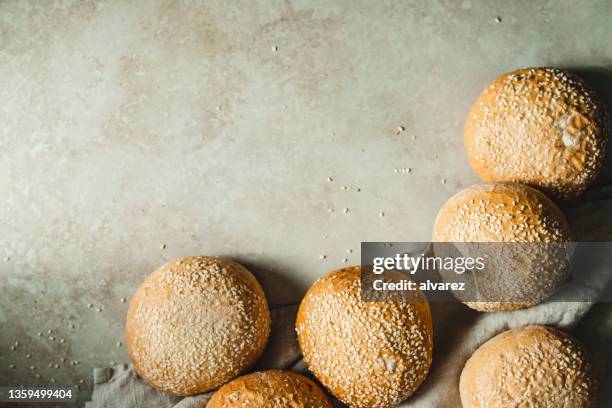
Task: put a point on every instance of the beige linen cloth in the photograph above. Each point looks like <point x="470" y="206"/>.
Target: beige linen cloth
<point x="458" y="331"/>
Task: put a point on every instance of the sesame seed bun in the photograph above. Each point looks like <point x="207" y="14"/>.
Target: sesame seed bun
<point x="270" y="389"/>
<point x="368" y="354"/>
<point x="509" y="213"/>
<point x="196" y="323"/>
<point x="540" y="126"/>
<point x="532" y="366"/>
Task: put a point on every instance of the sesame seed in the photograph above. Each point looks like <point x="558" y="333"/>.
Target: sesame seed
<point x="179" y="335"/>
<point x="540" y="127"/>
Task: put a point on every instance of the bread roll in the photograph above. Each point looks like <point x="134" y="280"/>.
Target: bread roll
<point x="500" y="213"/>
<point x="368" y="354"/>
<point x="270" y="389"/>
<point x="532" y="366"/>
<point x="528" y="271"/>
<point x="196" y="323"/>
<point x="540" y="126"/>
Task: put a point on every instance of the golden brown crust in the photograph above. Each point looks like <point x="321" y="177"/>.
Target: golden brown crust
<point x="509" y="213"/>
<point x="500" y="213"/>
<point x="368" y="354"/>
<point x="196" y="323"/>
<point x="270" y="389"/>
<point x="539" y="126"/>
<point x="532" y="366"/>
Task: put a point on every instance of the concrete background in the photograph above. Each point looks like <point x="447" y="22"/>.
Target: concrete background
<point x="136" y="132"/>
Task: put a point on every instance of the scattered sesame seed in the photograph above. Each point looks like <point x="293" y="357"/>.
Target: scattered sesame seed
<point x="162" y="246"/>
<point x="404" y="170"/>
<point x="498" y="19"/>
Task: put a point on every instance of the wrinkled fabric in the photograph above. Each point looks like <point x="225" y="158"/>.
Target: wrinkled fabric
<point x="458" y="331"/>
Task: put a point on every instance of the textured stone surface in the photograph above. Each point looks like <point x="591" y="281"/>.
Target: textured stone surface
<point x="136" y="132"/>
